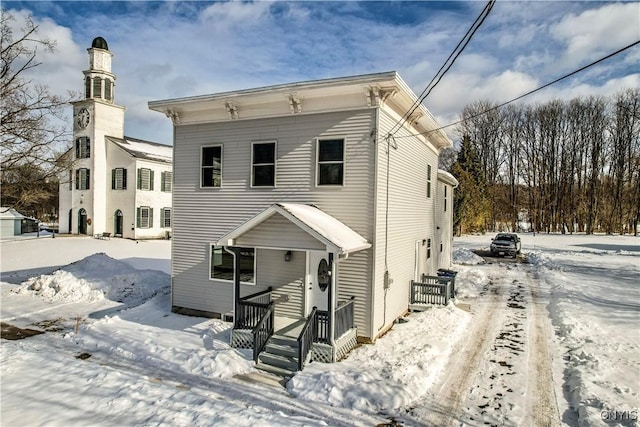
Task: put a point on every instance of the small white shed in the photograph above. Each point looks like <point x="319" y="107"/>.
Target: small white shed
<point x="10" y="223"/>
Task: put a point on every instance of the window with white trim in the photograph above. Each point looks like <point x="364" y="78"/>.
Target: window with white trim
<point x="445" y="198"/>
<point x="428" y="181"/>
<point x="144" y="217"/>
<point x="263" y="164"/>
<point x="211" y="166"/>
<point x="83" y="147"/>
<point x="83" y="177"/>
<point x="165" y="217"/>
<point x="145" y="179"/>
<point x="166" y="179"/>
<point x="428" y="248"/>
<point x="330" y="162"/>
<point x="222" y="265"/>
<point x="119" y="179"/>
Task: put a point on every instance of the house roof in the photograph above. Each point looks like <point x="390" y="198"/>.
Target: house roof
<point x="10" y="213"/>
<point x="362" y="91"/>
<point x="447" y="178"/>
<point x="144" y="149"/>
<point x="337" y="236"/>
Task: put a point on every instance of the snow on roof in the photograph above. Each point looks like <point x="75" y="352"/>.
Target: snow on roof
<point x="322" y="226"/>
<point x="145" y="149"/>
<point x="327" y="226"/>
<point x="10" y="213"/>
<point x="447" y="178"/>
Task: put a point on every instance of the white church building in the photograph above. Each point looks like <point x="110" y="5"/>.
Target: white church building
<point x="117" y="186"/>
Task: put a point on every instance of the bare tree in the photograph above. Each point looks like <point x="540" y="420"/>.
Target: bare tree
<point x="29" y="134"/>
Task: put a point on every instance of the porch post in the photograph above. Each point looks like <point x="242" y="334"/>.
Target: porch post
<point x="331" y="305"/>
<point x="236" y="280"/>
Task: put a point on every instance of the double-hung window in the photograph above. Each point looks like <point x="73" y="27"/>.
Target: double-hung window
<point x="428" y="181"/>
<point x="83" y="177"/>
<point x="428" y="248"/>
<point x="330" y="164"/>
<point x="83" y="147"/>
<point x="144" y="217"/>
<point x="222" y="265"/>
<point x="263" y="164"/>
<point x="165" y="181"/>
<point x="145" y="179"/>
<point x="119" y="179"/>
<point x="165" y="217"/>
<point x="211" y="166"/>
<point x="445" y="198"/>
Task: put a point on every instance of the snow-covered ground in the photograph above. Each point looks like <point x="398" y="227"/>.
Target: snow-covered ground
<point x="114" y="354"/>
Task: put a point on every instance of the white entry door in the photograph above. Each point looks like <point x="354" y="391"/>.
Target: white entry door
<point x="318" y="280"/>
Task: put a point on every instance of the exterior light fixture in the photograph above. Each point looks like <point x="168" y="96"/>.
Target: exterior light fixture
<point x="287" y="256"/>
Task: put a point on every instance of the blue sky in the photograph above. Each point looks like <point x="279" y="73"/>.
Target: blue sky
<point x="175" y="49"/>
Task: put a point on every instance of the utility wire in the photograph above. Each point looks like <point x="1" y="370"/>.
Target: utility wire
<point x="526" y="94"/>
<point x="438" y="76"/>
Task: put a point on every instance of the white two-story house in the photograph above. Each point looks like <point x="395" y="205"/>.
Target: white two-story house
<point x="306" y="210"/>
<point x="117" y="184"/>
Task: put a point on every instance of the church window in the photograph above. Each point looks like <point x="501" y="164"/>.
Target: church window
<point x="83" y="148"/>
<point x="145" y="179"/>
<point x="82" y="179"/>
<point x="108" y="88"/>
<point x="97" y="87"/>
<point x="87" y="87"/>
<point x="144" y="217"/>
<point x="119" y="179"/>
<point x="165" y="217"/>
<point x="165" y="182"/>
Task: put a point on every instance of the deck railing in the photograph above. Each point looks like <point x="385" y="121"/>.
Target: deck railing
<point x="251" y="309"/>
<point x="344" y="318"/>
<point x="307" y="337"/>
<point x="324" y="327"/>
<point x="432" y="290"/>
<point x="263" y="331"/>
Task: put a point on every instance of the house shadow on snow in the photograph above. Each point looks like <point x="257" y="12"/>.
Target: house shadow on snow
<point x="610" y="247"/>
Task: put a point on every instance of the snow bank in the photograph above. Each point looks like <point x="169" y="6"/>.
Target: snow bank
<point x="94" y="278"/>
<point x="391" y="374"/>
<point x="464" y="256"/>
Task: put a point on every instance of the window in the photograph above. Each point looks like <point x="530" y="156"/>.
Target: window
<point x="82" y="179"/>
<point x="97" y="87"/>
<point x="71" y="180"/>
<point x="428" y="181"/>
<point x="83" y="148"/>
<point x="145" y="179"/>
<point x="87" y="87"/>
<point x="144" y="217"/>
<point x="166" y="178"/>
<point x="211" y="166"/>
<point x="330" y="170"/>
<point x="119" y="179"/>
<point x="428" y="248"/>
<point x="445" y="198"/>
<point x="108" y="89"/>
<point x="263" y="164"/>
<point x="165" y="217"/>
<point x="222" y="266"/>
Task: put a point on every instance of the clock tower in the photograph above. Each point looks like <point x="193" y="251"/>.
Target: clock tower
<point x="94" y="117"/>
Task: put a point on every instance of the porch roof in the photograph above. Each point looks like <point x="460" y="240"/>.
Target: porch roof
<point x="337" y="236"/>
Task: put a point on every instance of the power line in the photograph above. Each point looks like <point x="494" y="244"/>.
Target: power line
<point x="526" y="94"/>
<point x="438" y="76"/>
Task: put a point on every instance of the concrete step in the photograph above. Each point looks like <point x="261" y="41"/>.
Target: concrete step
<point x="284" y="362"/>
<point x="284" y="373"/>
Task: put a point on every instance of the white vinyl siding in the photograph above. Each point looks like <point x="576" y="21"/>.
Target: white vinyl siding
<point x="205" y="215"/>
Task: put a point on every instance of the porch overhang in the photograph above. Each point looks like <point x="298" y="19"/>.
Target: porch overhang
<point x="331" y="232"/>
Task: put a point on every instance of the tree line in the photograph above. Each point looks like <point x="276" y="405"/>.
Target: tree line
<point x="563" y="166"/>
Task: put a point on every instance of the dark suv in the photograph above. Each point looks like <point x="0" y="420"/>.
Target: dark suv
<point x="506" y="244"/>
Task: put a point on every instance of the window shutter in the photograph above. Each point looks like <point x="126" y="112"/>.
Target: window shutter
<point x="138" y="217"/>
<point x="87" y="141"/>
<point x="71" y="179"/>
<point x="162" y="186"/>
<point x="88" y="179"/>
<point x="150" y="217"/>
<point x="77" y="179"/>
<point x="113" y="179"/>
<point x="139" y="179"/>
<point x="124" y="179"/>
<point x="161" y="218"/>
<point x="151" y="180"/>
<point x="78" y="148"/>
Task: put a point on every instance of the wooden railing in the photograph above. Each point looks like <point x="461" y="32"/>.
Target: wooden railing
<point x="307" y="337"/>
<point x="433" y="290"/>
<point x="324" y="327"/>
<point x="251" y="309"/>
<point x="344" y="318"/>
<point x="263" y="331"/>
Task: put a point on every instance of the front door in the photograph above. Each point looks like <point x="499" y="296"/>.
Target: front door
<point x="117" y="226"/>
<point x="82" y="221"/>
<point x="318" y="280"/>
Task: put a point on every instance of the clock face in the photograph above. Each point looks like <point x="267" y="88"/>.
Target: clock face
<point x="83" y="118"/>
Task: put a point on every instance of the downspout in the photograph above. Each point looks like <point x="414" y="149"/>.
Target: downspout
<point x="332" y="267"/>
<point x="386" y="280"/>
<point x="236" y="279"/>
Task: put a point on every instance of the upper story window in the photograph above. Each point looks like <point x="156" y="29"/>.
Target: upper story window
<point x="263" y="164"/>
<point x="211" y="165"/>
<point x="87" y="87"/>
<point x="83" y="177"/>
<point x="83" y="147"/>
<point x="145" y="179"/>
<point x="330" y="164"/>
<point x="428" y="248"/>
<point x="428" y="181"/>
<point x="119" y="179"/>
<point x="165" y="217"/>
<point x="97" y="87"/>
<point x="108" y="90"/>
<point x="166" y="179"/>
<point x="71" y="179"/>
<point x="445" y="198"/>
<point x="144" y="217"/>
<point x="222" y="265"/>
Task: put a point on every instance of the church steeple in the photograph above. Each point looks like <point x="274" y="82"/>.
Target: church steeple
<point x="98" y="79"/>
